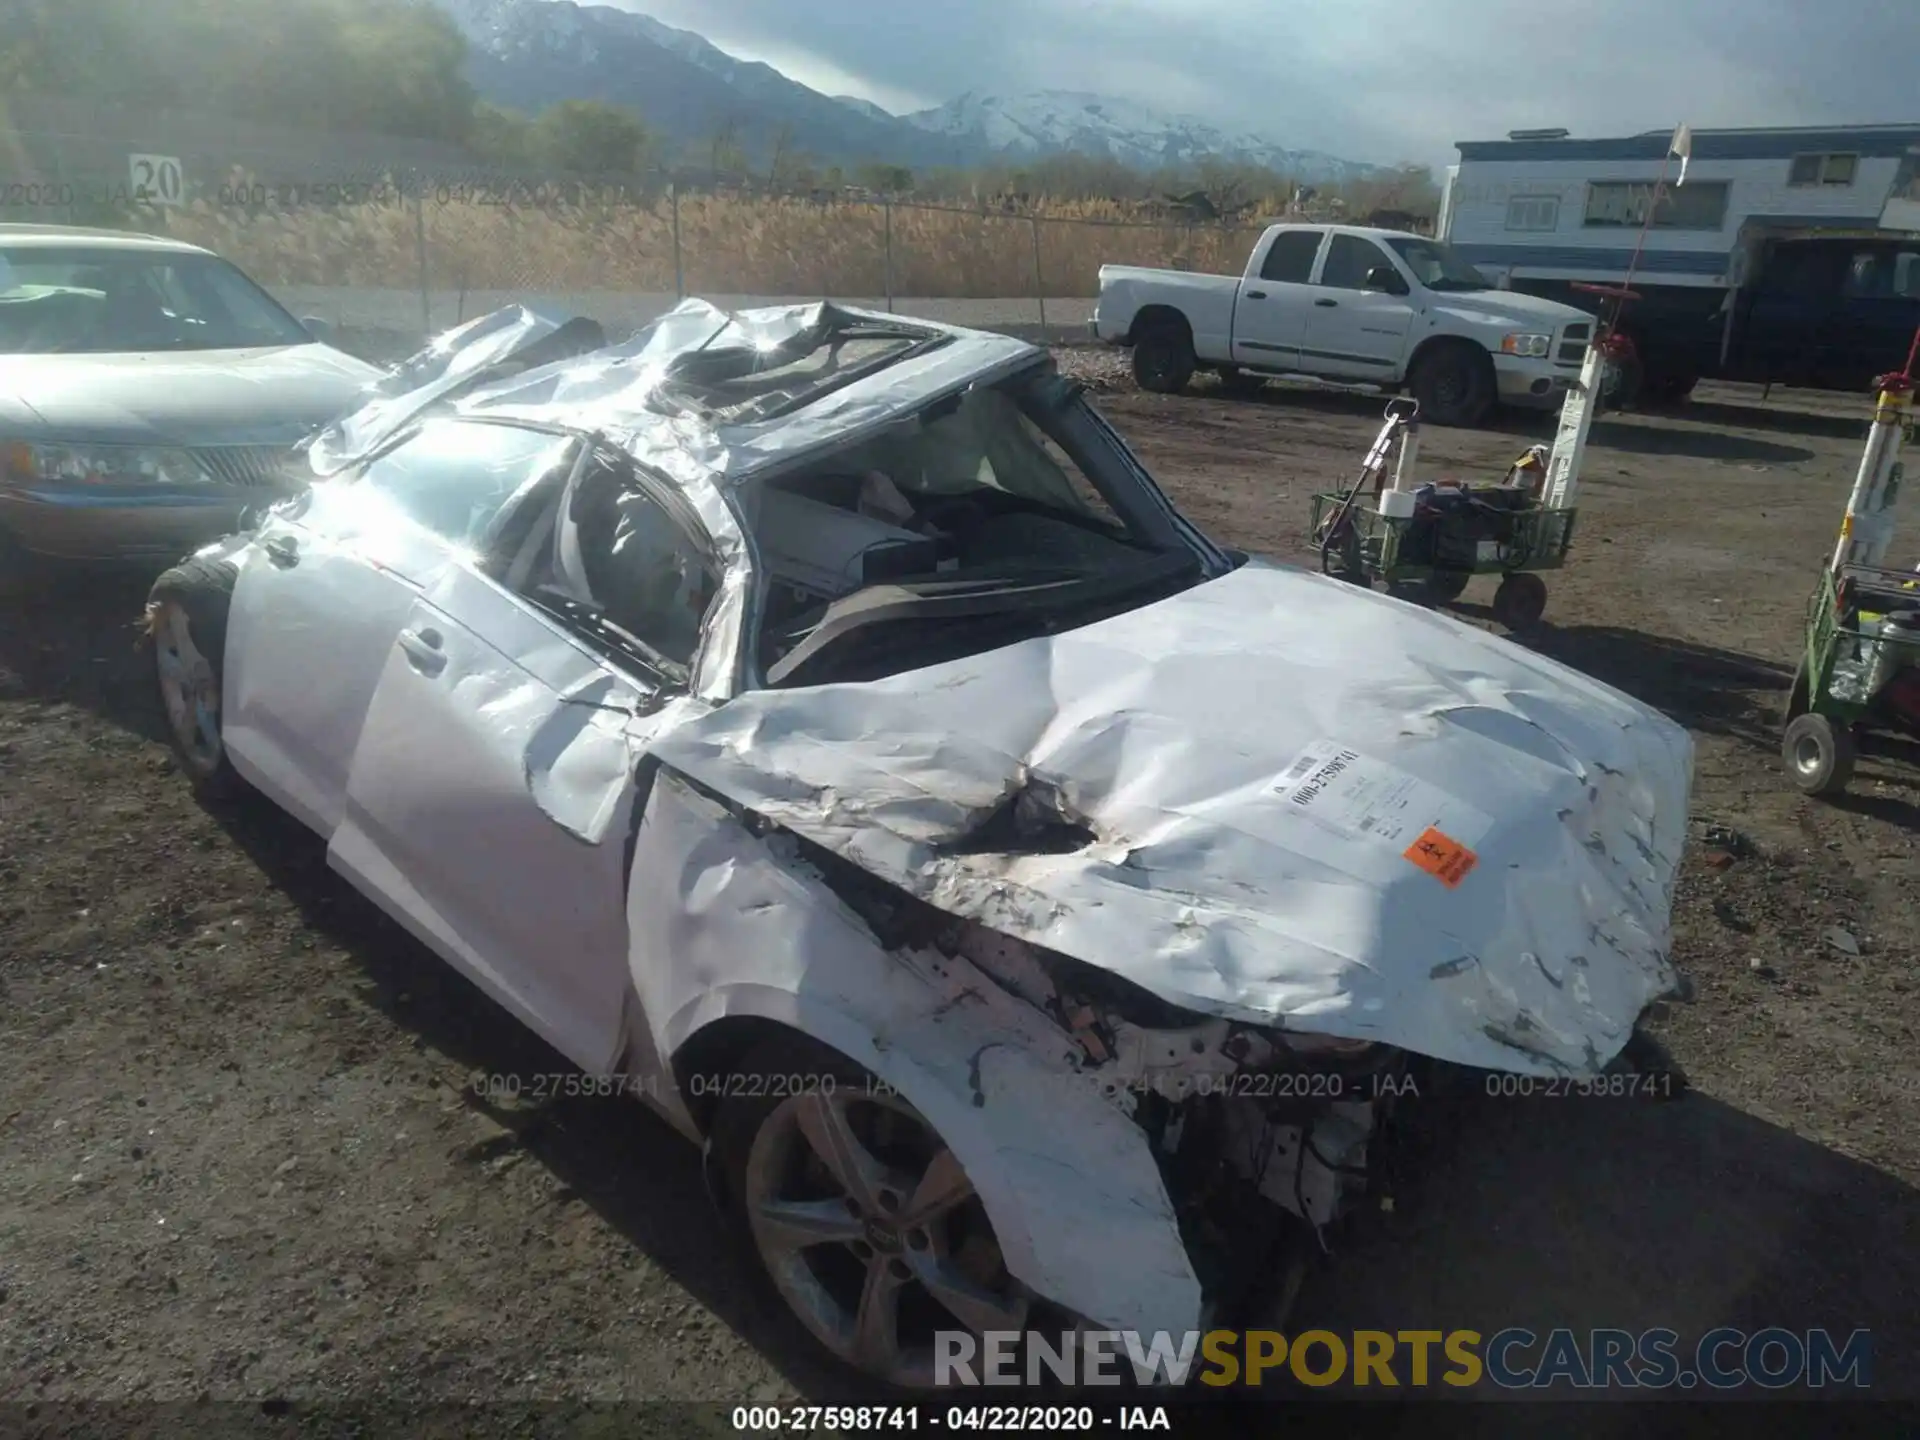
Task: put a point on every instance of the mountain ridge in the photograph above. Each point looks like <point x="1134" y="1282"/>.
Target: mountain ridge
<point x="531" y="54"/>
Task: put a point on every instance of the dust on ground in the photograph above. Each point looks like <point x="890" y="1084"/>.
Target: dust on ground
<point x="242" y="1154"/>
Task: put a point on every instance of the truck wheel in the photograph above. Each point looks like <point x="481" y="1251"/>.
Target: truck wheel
<point x="1454" y="384"/>
<point x="1163" y="359"/>
<point x="1819" y="754"/>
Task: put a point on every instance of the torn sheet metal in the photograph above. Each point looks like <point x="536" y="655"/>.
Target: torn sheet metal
<point x="453" y="359"/>
<point x="1306" y="805"/>
<point x="615" y="390"/>
<point x="722" y="924"/>
<point x="611" y="391"/>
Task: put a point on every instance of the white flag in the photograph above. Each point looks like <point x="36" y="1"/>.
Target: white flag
<point x="1682" y="145"/>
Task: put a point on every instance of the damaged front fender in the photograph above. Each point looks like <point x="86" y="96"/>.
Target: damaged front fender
<point x="725" y="923"/>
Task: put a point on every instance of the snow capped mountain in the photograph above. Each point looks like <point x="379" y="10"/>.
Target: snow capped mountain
<point x="530" y="54"/>
<point x="865" y="107"/>
<point x="1054" y="121"/>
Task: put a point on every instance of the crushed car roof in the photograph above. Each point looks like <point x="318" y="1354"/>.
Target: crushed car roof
<point x="699" y="390"/>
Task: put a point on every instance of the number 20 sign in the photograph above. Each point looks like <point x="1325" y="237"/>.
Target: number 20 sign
<point x="156" y="179"/>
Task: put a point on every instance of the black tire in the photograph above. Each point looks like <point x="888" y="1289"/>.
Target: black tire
<point x="198" y="593"/>
<point x="1455" y="385"/>
<point x="748" y="1109"/>
<point x="1163" y="359"/>
<point x="1819" y="755"/>
<point x="1239" y="383"/>
<point x="1520" y="601"/>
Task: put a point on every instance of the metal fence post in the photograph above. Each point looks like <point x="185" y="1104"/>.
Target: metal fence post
<point x="420" y="252"/>
<point x="886" y="211"/>
<point x="679" y="273"/>
<point x="1039" y="279"/>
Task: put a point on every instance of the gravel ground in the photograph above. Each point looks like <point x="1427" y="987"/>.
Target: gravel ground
<point x="242" y="1157"/>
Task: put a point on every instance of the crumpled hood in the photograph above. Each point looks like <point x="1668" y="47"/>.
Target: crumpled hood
<point x="1273" y="797"/>
<point x="266" y="396"/>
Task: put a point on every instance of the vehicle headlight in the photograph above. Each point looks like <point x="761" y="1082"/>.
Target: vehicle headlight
<point x="23" y="461"/>
<point x="1527" y="344"/>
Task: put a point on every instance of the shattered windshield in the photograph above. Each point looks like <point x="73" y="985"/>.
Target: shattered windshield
<point x="1437" y="265"/>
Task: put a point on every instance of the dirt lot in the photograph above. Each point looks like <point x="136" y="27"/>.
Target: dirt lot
<point x="241" y="1155"/>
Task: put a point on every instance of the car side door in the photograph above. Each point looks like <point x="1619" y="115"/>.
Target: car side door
<point x="1356" y="328"/>
<point x="315" y="611"/>
<point x="491" y="797"/>
<point x="1270" y="315"/>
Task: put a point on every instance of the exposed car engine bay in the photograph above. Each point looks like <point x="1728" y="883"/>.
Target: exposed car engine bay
<point x="1265" y="1139"/>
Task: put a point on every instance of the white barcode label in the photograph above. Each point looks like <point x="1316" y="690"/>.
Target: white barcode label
<point x="1363" y="798"/>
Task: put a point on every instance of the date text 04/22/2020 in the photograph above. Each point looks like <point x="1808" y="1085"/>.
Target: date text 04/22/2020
<point x="961" y="1419"/>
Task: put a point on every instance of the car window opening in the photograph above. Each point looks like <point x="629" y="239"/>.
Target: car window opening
<point x="611" y="561"/>
<point x="969" y="525"/>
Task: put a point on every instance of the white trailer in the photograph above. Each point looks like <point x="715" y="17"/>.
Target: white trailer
<point x="1787" y="255"/>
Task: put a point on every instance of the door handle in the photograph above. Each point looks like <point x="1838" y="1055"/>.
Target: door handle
<point x="284" y="551"/>
<point x="1326" y="304"/>
<point x="422" y="647"/>
<point x="1256" y="294"/>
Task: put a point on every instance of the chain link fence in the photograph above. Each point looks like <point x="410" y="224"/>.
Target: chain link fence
<point x="392" y="244"/>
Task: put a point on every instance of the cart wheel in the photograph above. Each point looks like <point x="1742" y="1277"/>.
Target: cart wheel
<point x="1520" y="601"/>
<point x="1819" y="754"/>
<point x="1444" y="586"/>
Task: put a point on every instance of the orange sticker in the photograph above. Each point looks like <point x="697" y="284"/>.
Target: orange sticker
<point x="1442" y="857"/>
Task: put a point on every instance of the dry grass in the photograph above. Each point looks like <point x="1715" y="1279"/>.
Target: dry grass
<point x="729" y="244"/>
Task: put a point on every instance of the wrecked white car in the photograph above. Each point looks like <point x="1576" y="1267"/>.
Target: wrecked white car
<point x="821" y="721"/>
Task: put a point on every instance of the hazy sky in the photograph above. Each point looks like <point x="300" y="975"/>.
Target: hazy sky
<point x="1378" y="80"/>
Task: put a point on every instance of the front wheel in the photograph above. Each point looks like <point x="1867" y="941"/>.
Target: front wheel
<point x="863" y="1220"/>
<point x="1163" y="360"/>
<point x="1454" y="384"/>
<point x="187" y="623"/>
<point x="1819" y="754"/>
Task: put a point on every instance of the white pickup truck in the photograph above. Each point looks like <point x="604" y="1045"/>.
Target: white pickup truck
<point x="1345" y="304"/>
